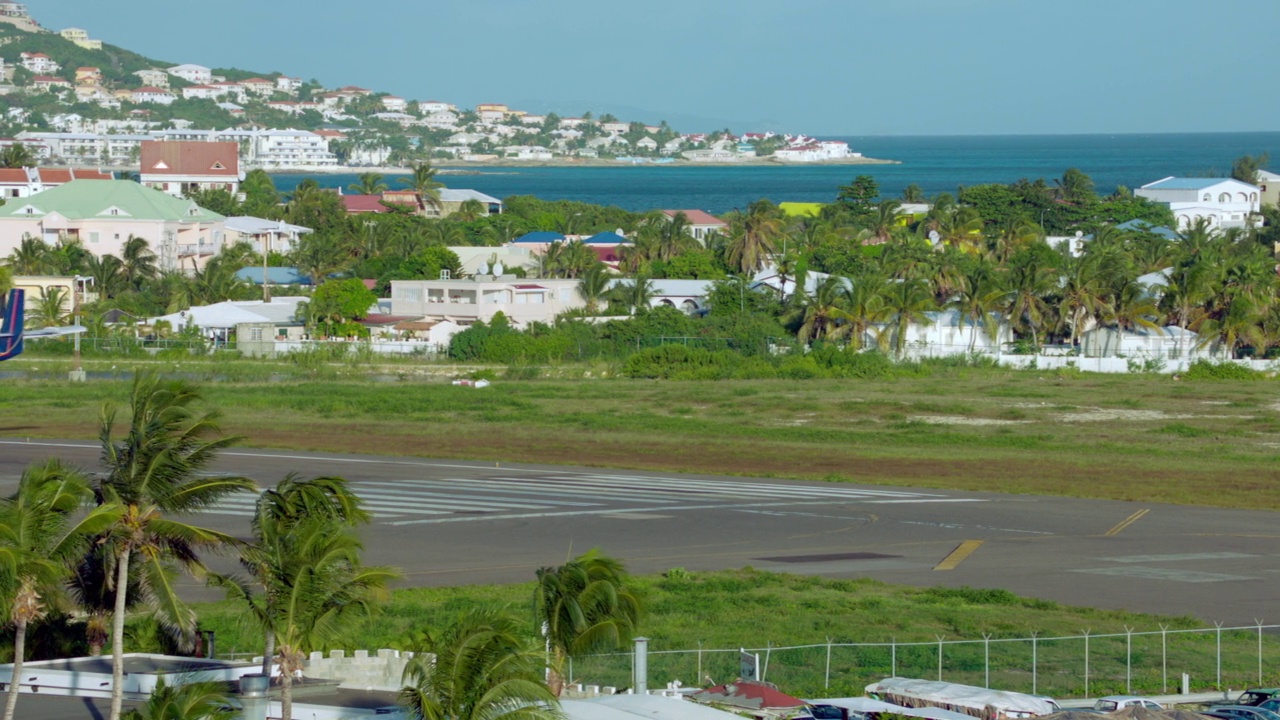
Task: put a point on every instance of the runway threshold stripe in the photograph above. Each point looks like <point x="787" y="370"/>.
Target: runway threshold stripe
<point x="957" y="556"/>
<point x="1120" y="527"/>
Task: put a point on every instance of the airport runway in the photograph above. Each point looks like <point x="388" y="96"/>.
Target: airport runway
<point x="453" y="523"/>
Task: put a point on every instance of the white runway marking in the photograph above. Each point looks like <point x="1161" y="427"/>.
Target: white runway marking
<point x="1153" y="573"/>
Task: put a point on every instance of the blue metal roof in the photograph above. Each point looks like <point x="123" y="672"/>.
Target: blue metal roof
<point x="275" y="276"/>
<point x="541" y="237"/>
<point x="1186" y="183"/>
<point x="1140" y="225"/>
<point x="605" y="238"/>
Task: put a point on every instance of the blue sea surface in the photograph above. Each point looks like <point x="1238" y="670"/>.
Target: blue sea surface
<point x="936" y="164"/>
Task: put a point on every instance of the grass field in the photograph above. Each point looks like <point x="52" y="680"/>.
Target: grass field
<point x="1125" y="437"/>
<point x="688" y="609"/>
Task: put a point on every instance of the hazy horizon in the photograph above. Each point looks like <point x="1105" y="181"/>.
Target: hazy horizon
<point x="886" y="68"/>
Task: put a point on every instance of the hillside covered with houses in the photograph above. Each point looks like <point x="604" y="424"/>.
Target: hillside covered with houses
<point x="71" y="98"/>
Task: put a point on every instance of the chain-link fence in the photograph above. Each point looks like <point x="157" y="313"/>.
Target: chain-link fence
<point x="1085" y="665"/>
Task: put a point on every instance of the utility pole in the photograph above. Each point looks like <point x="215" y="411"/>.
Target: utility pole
<point x="77" y="373"/>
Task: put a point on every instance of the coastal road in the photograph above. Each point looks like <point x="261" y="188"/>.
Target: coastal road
<point x="456" y="522"/>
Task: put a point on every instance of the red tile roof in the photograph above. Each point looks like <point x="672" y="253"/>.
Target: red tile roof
<point x="363" y="204"/>
<point x="58" y="176"/>
<point x="191" y="158"/>
<point x="13" y="175"/>
<point x="748" y="695"/>
<point x="697" y="217"/>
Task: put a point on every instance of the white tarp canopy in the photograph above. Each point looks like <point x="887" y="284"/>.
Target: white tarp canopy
<point x="219" y="316"/>
<point x="871" y="705"/>
<point x="862" y="705"/>
<point x="650" y="706"/>
<point x="963" y="698"/>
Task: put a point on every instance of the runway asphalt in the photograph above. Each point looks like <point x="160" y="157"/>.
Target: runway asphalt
<point x="454" y="523"/>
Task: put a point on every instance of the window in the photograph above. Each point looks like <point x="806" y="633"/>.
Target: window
<point x="1224" y="197"/>
<point x="93" y="238"/>
<point x="1208" y="197"/>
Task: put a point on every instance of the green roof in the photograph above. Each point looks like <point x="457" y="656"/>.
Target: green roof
<point x="93" y="199"/>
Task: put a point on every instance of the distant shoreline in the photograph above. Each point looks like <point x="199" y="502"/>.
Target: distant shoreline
<point x="475" y="168"/>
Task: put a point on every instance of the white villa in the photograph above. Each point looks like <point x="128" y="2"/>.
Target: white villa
<point x="1224" y="202"/>
<point x="197" y="74"/>
<point x="483" y="296"/>
<point x="945" y="334"/>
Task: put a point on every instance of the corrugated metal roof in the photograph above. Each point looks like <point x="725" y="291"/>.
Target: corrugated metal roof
<point x="541" y="237"/>
<point x="82" y="199"/>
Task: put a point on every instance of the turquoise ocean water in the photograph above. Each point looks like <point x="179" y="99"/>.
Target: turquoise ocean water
<point x="937" y="164"/>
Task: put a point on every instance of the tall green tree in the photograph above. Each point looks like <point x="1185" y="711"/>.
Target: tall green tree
<point x="423" y="182"/>
<point x="1245" y="168"/>
<point x="906" y="303"/>
<point x="42" y="534"/>
<point x="753" y="237"/>
<point x="480" y="667"/>
<point x="155" y="471"/>
<point x="369" y="183"/>
<point x="584" y="606"/>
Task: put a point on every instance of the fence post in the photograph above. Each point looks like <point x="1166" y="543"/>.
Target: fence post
<point x="768" y="650"/>
<point x="1128" y="660"/>
<point x="1086" y="663"/>
<point x="893" y="657"/>
<point x="939" y="658"/>
<point x="1259" y="651"/>
<point x="699" y="679"/>
<point x="986" y="660"/>
<point x="1219" y="626"/>
<point x="1034" y="664"/>
<point x="570" y="670"/>
<point x="826" y="683"/>
<point x="1164" y="659"/>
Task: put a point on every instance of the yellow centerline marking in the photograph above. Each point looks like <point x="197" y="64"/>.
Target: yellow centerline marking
<point x="1119" y="528"/>
<point x="957" y="556"/>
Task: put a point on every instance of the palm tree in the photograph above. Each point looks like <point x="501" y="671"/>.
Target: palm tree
<point x="978" y="298"/>
<point x="864" y="305"/>
<point x="31" y="257"/>
<point x="469" y="211"/>
<point x="369" y="183"/>
<point x="17" y="155"/>
<point x="108" y="274"/>
<point x="139" y="262"/>
<point x="1081" y="296"/>
<point x="883" y="222"/>
<point x="50" y="308"/>
<point x="913" y="194"/>
<point x="192" y="701"/>
<point x="635" y="294"/>
<point x="423" y="182"/>
<point x="478" y="668"/>
<point x="277" y="513"/>
<point x="155" y="472"/>
<point x="593" y="287"/>
<point x="906" y="302"/>
<point x="584" y="606"/>
<point x="42" y="533"/>
<point x="822" y="315"/>
<point x="318" y="256"/>
<point x="1132" y="308"/>
<point x="753" y="237"/>
<point x="318" y="586"/>
<point x="1028" y="282"/>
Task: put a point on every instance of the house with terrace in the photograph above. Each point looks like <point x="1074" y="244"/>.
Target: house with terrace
<point x="102" y="215"/>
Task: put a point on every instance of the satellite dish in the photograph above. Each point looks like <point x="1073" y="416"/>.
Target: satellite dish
<point x="497" y="268"/>
<point x="483" y="270"/>
<point x="934" y="237"/>
<point x="1079" y="233"/>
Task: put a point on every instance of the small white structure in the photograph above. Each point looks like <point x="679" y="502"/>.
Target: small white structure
<point x="1169" y="342"/>
<point x="198" y="74"/>
<point x="1224" y="202"/>
<point x="480" y="298"/>
<point x="946" y="333"/>
<point x="276" y="236"/>
<point x="687" y="295"/>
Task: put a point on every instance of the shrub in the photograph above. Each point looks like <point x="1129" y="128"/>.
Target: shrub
<point x="1205" y="370"/>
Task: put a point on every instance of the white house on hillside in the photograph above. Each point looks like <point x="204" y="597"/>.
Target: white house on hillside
<point x="198" y="74"/>
<point x="1224" y="202"/>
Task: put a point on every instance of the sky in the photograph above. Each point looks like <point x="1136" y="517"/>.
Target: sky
<point x="830" y="67"/>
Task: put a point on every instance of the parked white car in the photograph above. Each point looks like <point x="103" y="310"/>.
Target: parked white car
<point x="1112" y="703"/>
